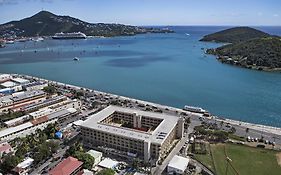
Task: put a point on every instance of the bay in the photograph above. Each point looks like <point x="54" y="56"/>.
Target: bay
<point x="169" y="69"/>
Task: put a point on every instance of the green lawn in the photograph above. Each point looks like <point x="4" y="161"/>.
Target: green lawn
<point x="246" y="160"/>
<point x="206" y="159"/>
<point x="220" y="160"/>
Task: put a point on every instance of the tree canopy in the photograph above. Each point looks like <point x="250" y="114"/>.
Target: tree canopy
<point x="106" y="172"/>
<point x="76" y="150"/>
<point x="49" y="89"/>
<point x="9" y="162"/>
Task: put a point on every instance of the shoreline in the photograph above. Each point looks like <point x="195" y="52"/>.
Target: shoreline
<point x="254" y="126"/>
<point x="230" y="61"/>
<point x="252" y="67"/>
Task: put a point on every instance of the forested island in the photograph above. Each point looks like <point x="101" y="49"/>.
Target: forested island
<point x="248" y="48"/>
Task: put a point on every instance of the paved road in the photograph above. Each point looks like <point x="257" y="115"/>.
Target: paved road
<point x="241" y="131"/>
<point x="159" y="169"/>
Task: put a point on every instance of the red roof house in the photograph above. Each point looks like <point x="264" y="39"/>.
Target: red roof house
<point x="69" y="166"/>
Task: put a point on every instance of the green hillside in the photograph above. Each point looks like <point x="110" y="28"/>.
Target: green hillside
<point x="45" y="23"/>
<point x="235" y="35"/>
<point x="248" y="47"/>
<point x="262" y="53"/>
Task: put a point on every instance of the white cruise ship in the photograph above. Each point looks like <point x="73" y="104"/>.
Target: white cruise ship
<point x="74" y="35"/>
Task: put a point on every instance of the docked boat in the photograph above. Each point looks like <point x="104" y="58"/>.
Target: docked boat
<point x="23" y="39"/>
<point x="38" y="39"/>
<point x="10" y="42"/>
<point x="76" y="59"/>
<point x="74" y="35"/>
<point x="194" y="109"/>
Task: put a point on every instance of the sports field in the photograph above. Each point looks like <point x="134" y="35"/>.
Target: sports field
<point x="243" y="160"/>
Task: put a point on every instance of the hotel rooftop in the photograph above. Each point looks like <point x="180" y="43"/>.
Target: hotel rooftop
<point x="156" y="135"/>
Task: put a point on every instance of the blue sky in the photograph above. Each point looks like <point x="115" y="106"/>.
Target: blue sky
<point x="152" y="12"/>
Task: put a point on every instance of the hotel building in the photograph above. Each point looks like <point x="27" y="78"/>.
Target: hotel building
<point x="147" y="135"/>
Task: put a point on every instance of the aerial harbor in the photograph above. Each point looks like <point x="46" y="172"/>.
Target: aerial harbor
<point x="123" y="88"/>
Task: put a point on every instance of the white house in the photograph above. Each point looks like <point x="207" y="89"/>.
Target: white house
<point x="97" y="155"/>
<point x="24" y="167"/>
<point x="177" y="165"/>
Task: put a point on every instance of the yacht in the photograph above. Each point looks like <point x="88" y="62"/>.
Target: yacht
<point x="74" y="35"/>
<point x="23" y="39"/>
<point x="38" y="39"/>
<point x="10" y="42"/>
<point x="76" y="59"/>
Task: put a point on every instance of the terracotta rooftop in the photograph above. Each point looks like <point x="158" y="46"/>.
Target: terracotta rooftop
<point x="66" y="167"/>
<point x="39" y="120"/>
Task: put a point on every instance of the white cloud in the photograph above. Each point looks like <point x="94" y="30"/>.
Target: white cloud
<point x="275" y="15"/>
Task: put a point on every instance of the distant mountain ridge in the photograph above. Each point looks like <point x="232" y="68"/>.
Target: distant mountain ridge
<point x="235" y="35"/>
<point x="46" y="23"/>
<point x="249" y="48"/>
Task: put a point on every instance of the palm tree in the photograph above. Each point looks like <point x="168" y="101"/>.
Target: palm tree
<point x="221" y="124"/>
<point x="247" y="131"/>
<point x="38" y="131"/>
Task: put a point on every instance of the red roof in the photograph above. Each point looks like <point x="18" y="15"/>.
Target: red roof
<point x="39" y="120"/>
<point x="66" y="167"/>
<point x="5" y="148"/>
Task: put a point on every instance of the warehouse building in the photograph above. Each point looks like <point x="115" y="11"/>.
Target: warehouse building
<point x="12" y="85"/>
<point x="37" y="85"/>
<point x="17" y="100"/>
<point x="5" y="77"/>
<point x="20" y="81"/>
<point x="39" y="123"/>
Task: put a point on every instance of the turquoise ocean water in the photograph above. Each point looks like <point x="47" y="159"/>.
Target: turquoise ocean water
<point x="169" y="69"/>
